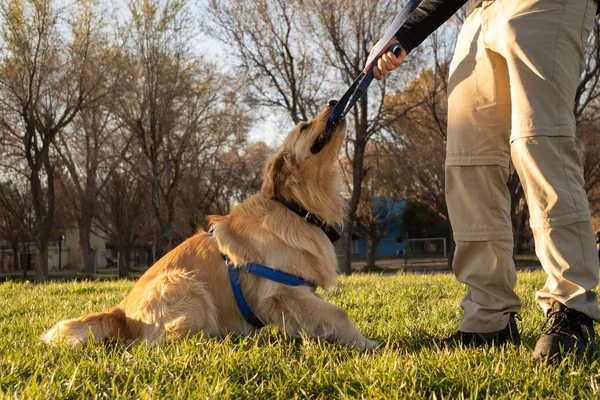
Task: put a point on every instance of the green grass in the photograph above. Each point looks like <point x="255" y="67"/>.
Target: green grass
<point x="399" y="310"/>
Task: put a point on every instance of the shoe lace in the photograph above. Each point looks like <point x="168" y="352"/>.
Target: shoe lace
<point x="518" y="317"/>
<point x="558" y="322"/>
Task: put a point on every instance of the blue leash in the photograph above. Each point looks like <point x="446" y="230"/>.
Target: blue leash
<point x="265" y="272"/>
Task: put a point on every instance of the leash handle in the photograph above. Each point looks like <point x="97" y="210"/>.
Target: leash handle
<point x="360" y="85"/>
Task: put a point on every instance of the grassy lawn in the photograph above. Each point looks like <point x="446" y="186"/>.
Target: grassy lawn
<point x="399" y="310"/>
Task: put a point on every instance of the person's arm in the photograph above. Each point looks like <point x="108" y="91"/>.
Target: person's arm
<point x="429" y="16"/>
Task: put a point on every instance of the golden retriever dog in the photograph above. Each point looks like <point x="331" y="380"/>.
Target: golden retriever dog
<point x="188" y="291"/>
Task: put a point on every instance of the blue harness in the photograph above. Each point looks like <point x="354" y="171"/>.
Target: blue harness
<point x="265" y="272"/>
<point x="270" y="273"/>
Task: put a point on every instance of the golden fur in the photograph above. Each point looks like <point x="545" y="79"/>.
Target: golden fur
<point x="188" y="290"/>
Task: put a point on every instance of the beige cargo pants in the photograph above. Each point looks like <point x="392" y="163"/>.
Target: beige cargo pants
<point x="511" y="94"/>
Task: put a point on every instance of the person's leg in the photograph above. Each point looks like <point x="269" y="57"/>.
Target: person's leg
<point x="543" y="44"/>
<point x="552" y="178"/>
<point x="477" y="165"/>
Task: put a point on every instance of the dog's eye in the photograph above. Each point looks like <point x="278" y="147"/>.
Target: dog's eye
<point x="304" y="127"/>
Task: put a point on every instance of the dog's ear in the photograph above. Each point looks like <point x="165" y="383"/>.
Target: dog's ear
<point x="213" y="219"/>
<point x="280" y="169"/>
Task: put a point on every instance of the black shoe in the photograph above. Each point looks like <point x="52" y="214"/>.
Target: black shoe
<point x="510" y="334"/>
<point x="565" y="330"/>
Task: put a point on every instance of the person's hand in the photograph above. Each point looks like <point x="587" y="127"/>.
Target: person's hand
<point x="388" y="60"/>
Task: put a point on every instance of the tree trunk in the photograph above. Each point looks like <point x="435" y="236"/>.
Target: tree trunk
<point x="15" y="249"/>
<point x="516" y="194"/>
<point x="124" y="260"/>
<point x="354" y="200"/>
<point x="25" y="265"/>
<point x="162" y="243"/>
<point x="41" y="265"/>
<point x="520" y="226"/>
<point x="43" y="207"/>
<point x="85" y="257"/>
<point x="345" y="265"/>
<point x="24" y="260"/>
<point x="161" y="230"/>
<point x="372" y="252"/>
<point x="87" y="266"/>
<point x="164" y="232"/>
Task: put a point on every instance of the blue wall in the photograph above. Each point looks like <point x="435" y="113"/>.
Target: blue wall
<point x="388" y="246"/>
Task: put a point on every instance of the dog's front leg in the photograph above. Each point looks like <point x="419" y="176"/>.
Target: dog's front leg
<point x="299" y="309"/>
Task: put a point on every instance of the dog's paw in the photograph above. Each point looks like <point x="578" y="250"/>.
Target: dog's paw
<point x="371" y="344"/>
<point x="366" y="344"/>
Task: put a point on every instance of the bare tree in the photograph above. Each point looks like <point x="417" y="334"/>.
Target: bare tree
<point x="217" y="181"/>
<point x="123" y="212"/>
<point x="236" y="174"/>
<point x="44" y="83"/>
<point x="93" y="144"/>
<point x="276" y="53"/>
<point x="16" y="216"/>
<point x="89" y="151"/>
<point x="171" y="101"/>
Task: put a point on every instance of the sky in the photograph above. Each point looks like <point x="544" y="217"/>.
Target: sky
<point x="273" y="128"/>
<point x="270" y="129"/>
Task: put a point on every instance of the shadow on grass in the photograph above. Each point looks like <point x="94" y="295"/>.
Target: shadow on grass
<point x="421" y="340"/>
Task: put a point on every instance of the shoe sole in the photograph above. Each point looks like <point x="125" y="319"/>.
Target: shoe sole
<point x="557" y="352"/>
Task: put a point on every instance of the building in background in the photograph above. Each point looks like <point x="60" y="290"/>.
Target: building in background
<point x="384" y="221"/>
<point x="63" y="253"/>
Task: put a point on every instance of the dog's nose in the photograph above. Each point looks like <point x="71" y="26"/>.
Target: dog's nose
<point x="332" y="103"/>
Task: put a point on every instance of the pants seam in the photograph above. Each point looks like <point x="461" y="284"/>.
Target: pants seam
<point x="558" y="34"/>
<point x="496" y="103"/>
<point x="547" y="132"/>
<point x="566" y="177"/>
<point x="559" y="220"/>
<point x="477" y="161"/>
<point x="477" y="237"/>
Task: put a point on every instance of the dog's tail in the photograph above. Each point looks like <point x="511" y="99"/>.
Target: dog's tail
<point x="104" y="325"/>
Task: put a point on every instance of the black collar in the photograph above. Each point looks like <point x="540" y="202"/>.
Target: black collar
<point x="329" y="230"/>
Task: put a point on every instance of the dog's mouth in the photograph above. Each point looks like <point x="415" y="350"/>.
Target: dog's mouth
<point x="325" y="137"/>
<point x="322" y="140"/>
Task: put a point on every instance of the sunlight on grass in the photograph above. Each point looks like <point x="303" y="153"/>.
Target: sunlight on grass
<point x="399" y="310"/>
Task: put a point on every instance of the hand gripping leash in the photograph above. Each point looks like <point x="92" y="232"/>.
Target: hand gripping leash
<point x="361" y="84"/>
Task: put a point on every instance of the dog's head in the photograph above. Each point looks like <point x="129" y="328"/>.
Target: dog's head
<point x="304" y="168"/>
